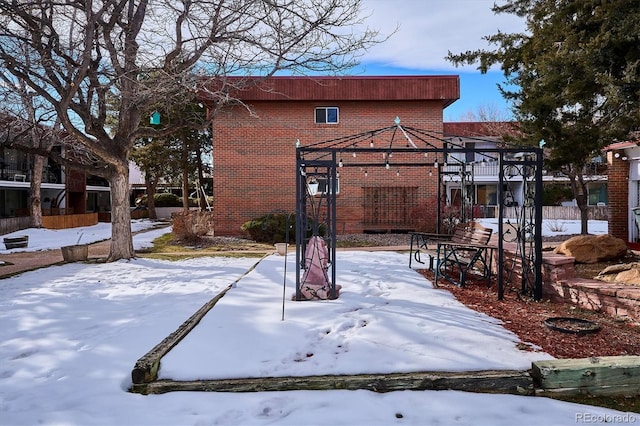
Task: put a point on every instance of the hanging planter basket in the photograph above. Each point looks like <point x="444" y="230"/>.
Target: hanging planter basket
<point x="572" y="325"/>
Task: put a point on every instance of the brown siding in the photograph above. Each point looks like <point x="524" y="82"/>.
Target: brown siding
<point x="445" y="89"/>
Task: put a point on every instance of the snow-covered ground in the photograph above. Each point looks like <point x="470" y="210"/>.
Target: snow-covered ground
<point x="72" y="333"/>
<point x="558" y="227"/>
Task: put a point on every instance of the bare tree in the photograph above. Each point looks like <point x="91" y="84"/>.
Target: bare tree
<point x="146" y="52"/>
<point x="29" y="122"/>
<point x="486" y="113"/>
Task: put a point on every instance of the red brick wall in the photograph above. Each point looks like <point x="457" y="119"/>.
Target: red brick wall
<point x="618" y="187"/>
<point x="255" y="157"/>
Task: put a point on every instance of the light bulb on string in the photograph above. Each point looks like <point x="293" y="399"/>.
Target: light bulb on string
<point x="398" y="172"/>
<point x="386" y="165"/>
<point x="354" y="154"/>
<point x="365" y="173"/>
<point x="340" y="163"/>
<point x="371" y="144"/>
<point x="435" y="164"/>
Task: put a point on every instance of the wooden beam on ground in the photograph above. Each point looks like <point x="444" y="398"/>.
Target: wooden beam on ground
<point x="487" y="381"/>
<point x="146" y="368"/>
<point x="607" y="375"/>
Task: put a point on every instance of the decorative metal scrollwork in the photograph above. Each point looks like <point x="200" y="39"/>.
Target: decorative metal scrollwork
<point x="520" y="240"/>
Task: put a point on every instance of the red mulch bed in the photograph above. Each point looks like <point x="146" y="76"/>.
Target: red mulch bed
<point x="525" y="318"/>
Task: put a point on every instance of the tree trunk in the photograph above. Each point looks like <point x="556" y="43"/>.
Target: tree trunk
<point x="35" y="204"/>
<point x="579" y="190"/>
<point x="581" y="200"/>
<point x="202" y="201"/>
<point x="185" y="189"/>
<point x="121" y="237"/>
<point x="151" y="201"/>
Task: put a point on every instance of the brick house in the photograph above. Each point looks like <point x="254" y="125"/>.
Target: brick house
<point x="254" y="151"/>
<point x="623" y="159"/>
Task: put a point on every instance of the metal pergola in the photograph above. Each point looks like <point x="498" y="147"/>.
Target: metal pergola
<point x="519" y="170"/>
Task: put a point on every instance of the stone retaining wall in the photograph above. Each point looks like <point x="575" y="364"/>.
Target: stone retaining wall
<point x="561" y="285"/>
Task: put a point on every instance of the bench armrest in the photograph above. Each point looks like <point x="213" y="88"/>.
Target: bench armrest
<point x="465" y="245"/>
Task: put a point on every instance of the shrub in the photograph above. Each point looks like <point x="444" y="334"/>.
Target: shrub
<point x="555" y="226"/>
<point x="167" y="199"/>
<point x="424" y="216"/>
<point x="554" y="193"/>
<point x="191" y="225"/>
<point x="272" y="228"/>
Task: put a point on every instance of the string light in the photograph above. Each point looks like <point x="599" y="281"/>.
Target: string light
<point x="365" y="173"/>
<point x="386" y="165"/>
<point x="398" y="172"/>
<point x="340" y="163"/>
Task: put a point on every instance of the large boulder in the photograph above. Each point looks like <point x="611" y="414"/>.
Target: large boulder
<point x="626" y="273"/>
<point x="593" y="248"/>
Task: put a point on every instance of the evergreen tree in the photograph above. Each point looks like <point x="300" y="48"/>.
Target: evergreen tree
<point x="576" y="73"/>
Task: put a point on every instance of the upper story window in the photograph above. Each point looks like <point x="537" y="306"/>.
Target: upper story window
<point x="326" y="115"/>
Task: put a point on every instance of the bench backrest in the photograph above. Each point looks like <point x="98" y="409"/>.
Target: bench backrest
<point x="471" y="233"/>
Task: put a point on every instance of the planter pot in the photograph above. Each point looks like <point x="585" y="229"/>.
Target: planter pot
<point x="16" y="242"/>
<point x="281" y="248"/>
<point x="164" y="213"/>
<point x="75" y="253"/>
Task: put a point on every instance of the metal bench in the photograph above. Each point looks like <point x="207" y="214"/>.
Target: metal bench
<point x="420" y="242"/>
<point x="468" y="249"/>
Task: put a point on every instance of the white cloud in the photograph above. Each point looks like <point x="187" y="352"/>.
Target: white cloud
<point x="430" y="28"/>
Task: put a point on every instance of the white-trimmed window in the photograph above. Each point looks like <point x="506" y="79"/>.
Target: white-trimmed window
<point x="327" y="115"/>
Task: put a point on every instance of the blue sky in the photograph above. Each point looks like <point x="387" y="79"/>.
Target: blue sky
<point x="426" y="31"/>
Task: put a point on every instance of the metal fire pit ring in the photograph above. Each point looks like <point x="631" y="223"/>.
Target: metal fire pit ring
<point x="572" y="325"/>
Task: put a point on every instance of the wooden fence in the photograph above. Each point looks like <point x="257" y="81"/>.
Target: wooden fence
<point x="565" y="213"/>
<point x="69" y="220"/>
<point x="13" y="224"/>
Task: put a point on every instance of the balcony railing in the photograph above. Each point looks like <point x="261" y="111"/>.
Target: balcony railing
<point x="489" y="168"/>
<point x="19" y="175"/>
